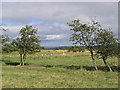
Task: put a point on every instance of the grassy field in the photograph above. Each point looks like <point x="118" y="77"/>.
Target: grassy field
<point x="52" y="69"/>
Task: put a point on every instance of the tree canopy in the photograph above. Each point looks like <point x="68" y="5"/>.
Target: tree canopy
<point x="93" y="35"/>
<point x="85" y="34"/>
<point x="107" y="45"/>
<point x="28" y="42"/>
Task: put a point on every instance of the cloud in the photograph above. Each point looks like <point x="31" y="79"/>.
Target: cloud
<point x="3" y="28"/>
<point x="22" y="12"/>
<point x="53" y="28"/>
<point x="60" y="0"/>
<point x="54" y="37"/>
<point x="25" y="12"/>
<point x="51" y="18"/>
<point x="14" y="29"/>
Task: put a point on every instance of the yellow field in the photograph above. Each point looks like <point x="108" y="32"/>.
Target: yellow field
<point x="64" y="51"/>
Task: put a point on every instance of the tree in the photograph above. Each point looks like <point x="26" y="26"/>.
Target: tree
<point x="5" y="41"/>
<point x="6" y="45"/>
<point x="85" y="35"/>
<point x="57" y="48"/>
<point x="3" y="38"/>
<point x="68" y="48"/>
<point x="75" y="49"/>
<point x="28" y="42"/>
<point x="42" y="48"/>
<point x="107" y="46"/>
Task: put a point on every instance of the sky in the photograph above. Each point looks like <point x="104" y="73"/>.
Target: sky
<point x="51" y="18"/>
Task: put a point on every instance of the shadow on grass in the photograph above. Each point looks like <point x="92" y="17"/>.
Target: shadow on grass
<point x="88" y="68"/>
<point x="71" y="67"/>
<point x="8" y="62"/>
<point x="102" y="68"/>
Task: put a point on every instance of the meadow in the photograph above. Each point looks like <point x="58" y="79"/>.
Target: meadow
<point x="54" y="69"/>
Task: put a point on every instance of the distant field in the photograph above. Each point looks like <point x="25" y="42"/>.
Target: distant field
<point x="55" y="69"/>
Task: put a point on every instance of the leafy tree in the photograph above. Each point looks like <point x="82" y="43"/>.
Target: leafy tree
<point x="81" y="49"/>
<point x="68" y="48"/>
<point x="63" y="48"/>
<point x="57" y="48"/>
<point x="42" y="48"/>
<point x="118" y="54"/>
<point x="7" y="48"/>
<point x="85" y="35"/>
<point x="74" y="49"/>
<point x="6" y="45"/>
<point x="28" y="42"/>
<point x="107" y="46"/>
<point x="77" y="48"/>
<point x="4" y="39"/>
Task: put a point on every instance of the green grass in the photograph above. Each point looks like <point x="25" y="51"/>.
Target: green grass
<point x="55" y="70"/>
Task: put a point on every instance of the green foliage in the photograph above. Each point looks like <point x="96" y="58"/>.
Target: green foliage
<point x="8" y="48"/>
<point x="6" y="45"/>
<point x="107" y="44"/>
<point x="91" y="35"/>
<point x="75" y="49"/>
<point x="28" y="42"/>
<point x="42" y="48"/>
<point x="68" y="48"/>
<point x="57" y="48"/>
<point x="84" y="34"/>
<point x="4" y="39"/>
<point x="63" y="49"/>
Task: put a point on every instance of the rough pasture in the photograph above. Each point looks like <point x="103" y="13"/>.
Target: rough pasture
<point x="52" y="69"/>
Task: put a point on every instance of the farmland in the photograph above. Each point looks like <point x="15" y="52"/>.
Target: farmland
<point x="57" y="69"/>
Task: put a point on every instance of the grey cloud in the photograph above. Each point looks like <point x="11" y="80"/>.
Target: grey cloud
<point x="56" y="15"/>
<point x="53" y="28"/>
<point x="56" y="11"/>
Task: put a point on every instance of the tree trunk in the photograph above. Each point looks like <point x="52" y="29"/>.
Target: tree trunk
<point x="107" y="65"/>
<point x="24" y="58"/>
<point x="93" y="60"/>
<point x="21" y="59"/>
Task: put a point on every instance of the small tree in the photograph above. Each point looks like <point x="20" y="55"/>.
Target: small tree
<point x="27" y="43"/>
<point x="107" y="46"/>
<point x="42" y="48"/>
<point x="77" y="48"/>
<point x="3" y="38"/>
<point x="6" y="45"/>
<point x="68" y="48"/>
<point x="57" y="48"/>
<point x="5" y="41"/>
<point x="85" y="35"/>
